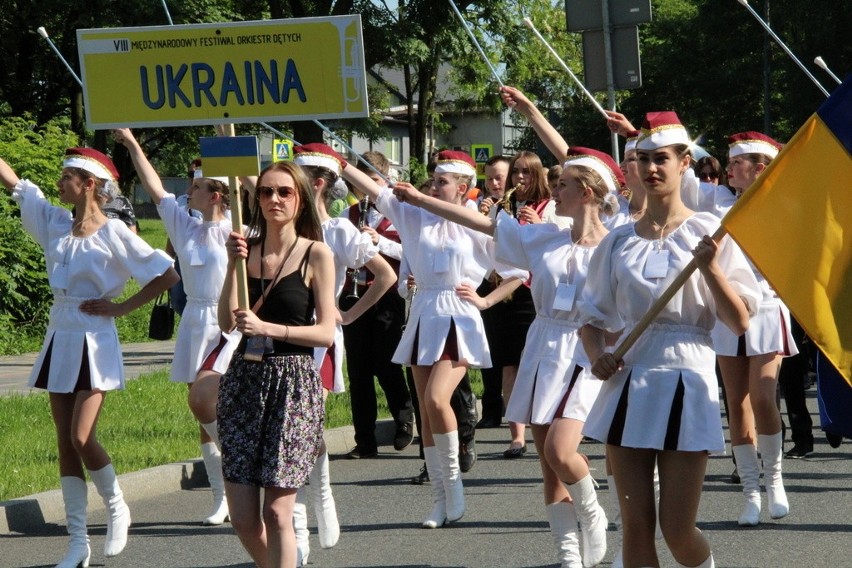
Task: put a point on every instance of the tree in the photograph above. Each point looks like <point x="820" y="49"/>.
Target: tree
<point x="34" y="152"/>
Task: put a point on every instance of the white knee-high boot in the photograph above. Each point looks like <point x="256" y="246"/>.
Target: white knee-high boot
<point x="324" y="506"/>
<point x="438" y="516"/>
<point x="770" y="450"/>
<point x="563" y="528"/>
<point x="749" y="468"/>
<point x="74" y="496"/>
<point x="300" y="526"/>
<point x="212" y="429"/>
<point x="448" y="453"/>
<point x="213" y="464"/>
<point x="592" y="520"/>
<point x="709" y="563"/>
<point x="118" y="514"/>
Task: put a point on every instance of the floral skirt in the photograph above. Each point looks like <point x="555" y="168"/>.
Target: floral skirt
<point x="270" y="417"/>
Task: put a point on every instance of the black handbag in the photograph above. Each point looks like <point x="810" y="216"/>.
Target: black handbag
<point x="162" y="324"/>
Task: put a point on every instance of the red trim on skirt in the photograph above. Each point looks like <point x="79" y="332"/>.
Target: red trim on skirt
<point x="210" y="360"/>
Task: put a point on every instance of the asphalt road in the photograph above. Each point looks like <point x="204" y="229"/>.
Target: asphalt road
<point x="504" y="526"/>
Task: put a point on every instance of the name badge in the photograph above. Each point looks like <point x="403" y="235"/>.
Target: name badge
<point x="565" y="294"/>
<point x="58" y="276"/>
<point x="198" y="256"/>
<point x="441" y="263"/>
<point x="257" y="346"/>
<point x="657" y="264"/>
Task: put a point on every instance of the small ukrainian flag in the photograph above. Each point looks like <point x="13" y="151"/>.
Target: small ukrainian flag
<point x="230" y="156"/>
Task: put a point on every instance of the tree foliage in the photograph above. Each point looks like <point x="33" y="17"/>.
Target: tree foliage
<point x="24" y="293"/>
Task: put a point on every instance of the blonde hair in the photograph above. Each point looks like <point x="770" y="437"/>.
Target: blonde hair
<point x="592" y="180"/>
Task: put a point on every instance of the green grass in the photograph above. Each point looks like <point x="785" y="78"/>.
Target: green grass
<point x="146" y="425"/>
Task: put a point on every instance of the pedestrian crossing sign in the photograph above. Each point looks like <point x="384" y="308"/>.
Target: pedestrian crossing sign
<point x="481" y="154"/>
<point x="282" y="150"/>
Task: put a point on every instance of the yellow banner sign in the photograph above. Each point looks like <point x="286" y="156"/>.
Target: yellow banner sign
<point x="297" y="69"/>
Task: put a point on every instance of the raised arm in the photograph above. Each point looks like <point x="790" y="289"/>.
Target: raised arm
<point x="619" y="123"/>
<point x="147" y="174"/>
<point x="7" y="175"/>
<point x="362" y="181"/>
<point x="552" y="139"/>
<point x="456" y="213"/>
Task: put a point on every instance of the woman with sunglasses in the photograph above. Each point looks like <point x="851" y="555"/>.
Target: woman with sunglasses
<point x="202" y="351"/>
<point x="89" y="260"/>
<point x="444" y="335"/>
<point x="709" y="170"/>
<point x="750" y="361"/>
<point x="659" y="406"/>
<point x="270" y="408"/>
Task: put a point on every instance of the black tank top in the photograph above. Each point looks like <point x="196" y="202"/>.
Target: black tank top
<point x="289" y="302"/>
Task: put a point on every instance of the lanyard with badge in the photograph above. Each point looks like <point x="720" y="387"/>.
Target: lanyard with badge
<point x="566" y="292"/>
<point x="657" y="263"/>
<point x="259" y="345"/>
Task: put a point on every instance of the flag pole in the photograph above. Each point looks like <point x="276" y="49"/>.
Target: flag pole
<point x="237" y="226"/>
<point x="597" y="105"/>
<point x="783" y="45"/>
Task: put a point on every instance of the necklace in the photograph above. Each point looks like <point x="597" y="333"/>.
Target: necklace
<point x="76" y="225"/>
<point x="661" y="227"/>
<point x="577" y="242"/>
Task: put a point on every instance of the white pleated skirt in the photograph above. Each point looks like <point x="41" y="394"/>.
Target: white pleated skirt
<point x="433" y="311"/>
<point x="198" y="335"/>
<point x="665" y="398"/>
<point x="768" y="332"/>
<point x="553" y="378"/>
<point x="68" y="330"/>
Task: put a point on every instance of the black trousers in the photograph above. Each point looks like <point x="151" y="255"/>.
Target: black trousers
<point x="370" y="342"/>
<point x="791" y="378"/>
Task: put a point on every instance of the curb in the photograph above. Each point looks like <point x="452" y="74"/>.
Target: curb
<point x="31" y="513"/>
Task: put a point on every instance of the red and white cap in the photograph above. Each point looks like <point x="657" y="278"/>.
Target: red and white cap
<point x="598" y="161"/>
<point x="455" y="162"/>
<point x="752" y="142"/>
<point x="96" y="163"/>
<point x="632" y="138"/>
<point x="319" y="154"/>
<point x="661" y="129"/>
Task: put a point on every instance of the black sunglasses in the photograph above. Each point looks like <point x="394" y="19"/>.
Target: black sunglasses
<point x="707" y="176"/>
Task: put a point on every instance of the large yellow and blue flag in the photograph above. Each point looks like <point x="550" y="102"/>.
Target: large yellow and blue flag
<point x="795" y="223"/>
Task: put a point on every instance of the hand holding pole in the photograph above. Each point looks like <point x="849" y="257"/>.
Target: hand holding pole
<point x="237" y="217"/>
<point x="661" y="302"/>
